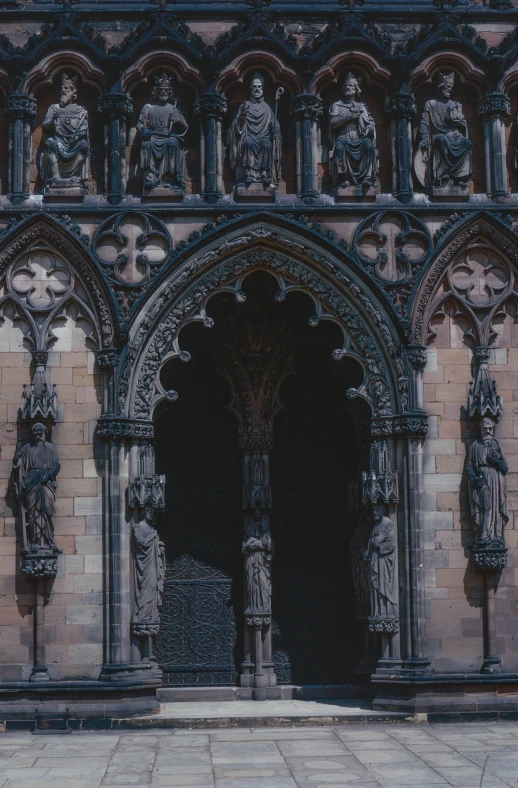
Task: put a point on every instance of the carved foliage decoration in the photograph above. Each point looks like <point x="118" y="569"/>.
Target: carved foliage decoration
<point x="392" y="248"/>
<point x="131" y="248"/>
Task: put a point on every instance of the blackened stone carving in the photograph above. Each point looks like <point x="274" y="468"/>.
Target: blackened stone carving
<point x="381" y="554"/>
<point x="486" y="469"/>
<point x="148" y="575"/>
<point x="417" y="356"/>
<point x="113" y="428"/>
<point x="39" y="400"/>
<point x="353" y="155"/>
<point x="445" y="154"/>
<point x="488" y="559"/>
<point x="360" y="568"/>
<point x="21" y="111"/>
<point x="258" y="552"/>
<point x="255" y="139"/>
<point x="65" y="159"/>
<point x="162" y="128"/>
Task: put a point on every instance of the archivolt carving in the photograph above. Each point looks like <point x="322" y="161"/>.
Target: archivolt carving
<point x="473" y="281"/>
<point x="228" y="276"/>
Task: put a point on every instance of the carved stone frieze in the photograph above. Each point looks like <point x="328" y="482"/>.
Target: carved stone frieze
<point x="115" y="428"/>
<point x="489" y="559"/>
<point x="408" y="424"/>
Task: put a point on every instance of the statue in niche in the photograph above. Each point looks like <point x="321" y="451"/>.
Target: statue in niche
<point x="360" y="569"/>
<point x="148" y="574"/>
<point x="353" y="155"/>
<point x="486" y="469"/>
<point x="255" y="139"/>
<point x="381" y="555"/>
<point x="258" y="551"/>
<point x="162" y="128"/>
<point x="35" y="469"/>
<point x="66" y="150"/>
<point x="445" y="153"/>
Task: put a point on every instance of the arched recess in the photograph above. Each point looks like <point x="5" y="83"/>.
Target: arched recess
<point x="472" y="281"/>
<point x="46" y="272"/>
<point x="183" y="296"/>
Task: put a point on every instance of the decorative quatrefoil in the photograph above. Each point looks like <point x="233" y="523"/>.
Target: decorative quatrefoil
<point x="40" y="280"/>
<point x="392" y="246"/>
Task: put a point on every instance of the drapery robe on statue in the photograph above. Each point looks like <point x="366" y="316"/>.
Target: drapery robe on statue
<point x="450" y="153"/>
<point x="161" y="156"/>
<point x="489" y="501"/>
<point x="258" y="552"/>
<point x="37" y="467"/>
<point x="255" y="144"/>
<point x="383" y="582"/>
<point x="353" y="153"/>
<point x="66" y="150"/>
<point x="148" y="578"/>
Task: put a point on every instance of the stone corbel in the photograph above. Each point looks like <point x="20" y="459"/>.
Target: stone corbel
<point x="211" y="109"/>
<point x="493" y="109"/>
<point x="21" y="111"/>
<point x="39" y="399"/>
<point x="116" y="110"/>
<point x="306" y="109"/>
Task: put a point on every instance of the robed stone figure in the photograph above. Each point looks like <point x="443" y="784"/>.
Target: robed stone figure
<point x="353" y="155"/>
<point x="486" y="469"/>
<point x="445" y="153"/>
<point x="35" y="469"/>
<point x="381" y="554"/>
<point x="255" y="140"/>
<point x="148" y="575"/>
<point x="162" y="128"/>
<point x="258" y="552"/>
<point x="66" y="149"/>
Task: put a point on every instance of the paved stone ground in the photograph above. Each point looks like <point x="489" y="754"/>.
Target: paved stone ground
<point x="365" y="756"/>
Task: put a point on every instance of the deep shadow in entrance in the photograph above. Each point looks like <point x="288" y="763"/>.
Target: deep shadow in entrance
<point x="316" y="636"/>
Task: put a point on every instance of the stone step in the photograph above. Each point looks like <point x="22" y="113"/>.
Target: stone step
<point x="288" y="692"/>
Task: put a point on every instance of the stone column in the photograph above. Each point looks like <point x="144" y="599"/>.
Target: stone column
<point x="401" y="108"/>
<point x="306" y="109"/>
<point x="21" y="111"/>
<point x="211" y="108"/>
<point x="258" y="674"/>
<point x="493" y="108"/>
<point x="116" y="110"/>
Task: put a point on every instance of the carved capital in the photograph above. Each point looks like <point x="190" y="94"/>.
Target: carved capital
<point x="40" y="357"/>
<point x="493" y="105"/>
<point x="210" y="105"/>
<point x="405" y="425"/>
<point x="482" y="353"/>
<point x="417" y="356"/>
<point x="39" y="565"/>
<point x="118" y="428"/>
<point x="306" y="106"/>
<point x="108" y="359"/>
<point x="115" y="106"/>
<point x="386" y="626"/>
<point x="489" y="559"/>
<point x="401" y="105"/>
<point x="18" y="105"/>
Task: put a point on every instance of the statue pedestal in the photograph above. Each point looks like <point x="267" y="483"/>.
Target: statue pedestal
<point x="356" y="193"/>
<point x="64" y="193"/>
<point x="163" y="194"/>
<point x="451" y="192"/>
<point x="256" y="192"/>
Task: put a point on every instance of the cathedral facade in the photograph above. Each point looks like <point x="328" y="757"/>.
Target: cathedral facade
<point x="258" y="354"/>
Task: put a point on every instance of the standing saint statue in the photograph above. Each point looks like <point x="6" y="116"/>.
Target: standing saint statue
<point x="445" y="153"/>
<point x="381" y="554"/>
<point x="255" y="139"/>
<point x="258" y="551"/>
<point x="162" y="128"/>
<point x="148" y="575"/>
<point x="353" y="155"/>
<point x="65" y="161"/>
<point x="36" y="467"/>
<point x="486" y="469"/>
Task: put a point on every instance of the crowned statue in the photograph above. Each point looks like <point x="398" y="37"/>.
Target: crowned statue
<point x="162" y="128"/>
<point x="255" y="139"/>
<point x="445" y="154"/>
<point x="353" y="155"/>
<point x="65" y="161"/>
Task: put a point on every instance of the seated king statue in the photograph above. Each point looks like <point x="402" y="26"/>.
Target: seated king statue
<point x="162" y="128"/>
<point x="66" y="149"/>
<point x="255" y="140"/>
<point x="353" y="155"/>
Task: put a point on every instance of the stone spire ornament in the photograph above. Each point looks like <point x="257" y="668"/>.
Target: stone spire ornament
<point x="39" y="399"/>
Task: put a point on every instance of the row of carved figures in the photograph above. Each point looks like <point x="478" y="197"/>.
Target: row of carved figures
<point x="443" y="158"/>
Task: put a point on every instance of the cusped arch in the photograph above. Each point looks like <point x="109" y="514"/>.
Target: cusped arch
<point x="480" y="236"/>
<point x="221" y="266"/>
<point x="246" y="63"/>
<point x="70" y="61"/>
<point x="42" y="232"/>
<point x="359" y="62"/>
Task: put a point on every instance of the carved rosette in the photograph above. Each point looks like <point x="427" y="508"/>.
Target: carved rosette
<point x="116" y="428"/>
<point x="384" y="626"/>
<point x="489" y="559"/>
<point x="115" y="106"/>
<point x="493" y="105"/>
<point x="19" y="105"/>
<point x="210" y="105"/>
<point x="306" y="106"/>
<point x="401" y="105"/>
<point x="417" y="356"/>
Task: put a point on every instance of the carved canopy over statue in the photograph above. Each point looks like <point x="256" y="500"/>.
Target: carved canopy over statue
<point x="255" y="139"/>
<point x="65" y="160"/>
<point x="381" y="554"/>
<point x="162" y="128"/>
<point x="258" y="551"/>
<point x="148" y="575"/>
<point x="445" y="153"/>
<point x="486" y="469"/>
<point x="353" y="155"/>
<point x="36" y="467"/>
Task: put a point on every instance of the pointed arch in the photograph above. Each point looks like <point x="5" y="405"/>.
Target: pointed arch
<point x="249" y="61"/>
<point x="43" y="232"/>
<point x="48" y="68"/>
